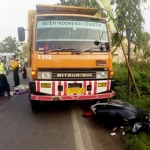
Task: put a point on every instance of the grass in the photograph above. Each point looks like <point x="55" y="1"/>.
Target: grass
<point x="138" y="141"/>
<point x="141" y="74"/>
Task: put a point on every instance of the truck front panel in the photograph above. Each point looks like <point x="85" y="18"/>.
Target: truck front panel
<point x="67" y="64"/>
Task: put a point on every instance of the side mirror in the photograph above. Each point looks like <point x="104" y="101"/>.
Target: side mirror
<point x="21" y="34"/>
<point x="96" y="43"/>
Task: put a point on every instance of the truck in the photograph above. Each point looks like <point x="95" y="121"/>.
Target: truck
<point x="69" y="54"/>
<point x="8" y="55"/>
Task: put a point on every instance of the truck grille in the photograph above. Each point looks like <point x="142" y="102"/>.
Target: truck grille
<point x="71" y="74"/>
<point x="74" y="75"/>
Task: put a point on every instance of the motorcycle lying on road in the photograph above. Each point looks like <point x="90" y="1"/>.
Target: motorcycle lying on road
<point x="118" y="113"/>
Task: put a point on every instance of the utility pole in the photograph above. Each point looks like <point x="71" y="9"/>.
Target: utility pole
<point x="128" y="35"/>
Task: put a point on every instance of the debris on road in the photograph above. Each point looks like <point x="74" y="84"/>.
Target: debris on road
<point x="20" y="92"/>
<point x="123" y="133"/>
<point x="21" y="89"/>
<point x="113" y="134"/>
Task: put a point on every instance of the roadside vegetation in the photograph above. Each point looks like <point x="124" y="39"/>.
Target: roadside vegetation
<point x="11" y="45"/>
<point x="141" y="73"/>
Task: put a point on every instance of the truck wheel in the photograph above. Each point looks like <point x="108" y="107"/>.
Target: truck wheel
<point x="35" y="105"/>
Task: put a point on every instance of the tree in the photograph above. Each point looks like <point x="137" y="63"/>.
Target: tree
<point x="145" y="44"/>
<point x="1" y="48"/>
<point x="9" y="45"/>
<point x="128" y="13"/>
<point x="24" y="51"/>
<point x="85" y="3"/>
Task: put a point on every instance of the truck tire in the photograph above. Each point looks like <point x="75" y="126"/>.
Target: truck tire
<point x="35" y="105"/>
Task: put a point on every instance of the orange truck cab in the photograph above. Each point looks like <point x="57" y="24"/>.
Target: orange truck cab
<point x="69" y="54"/>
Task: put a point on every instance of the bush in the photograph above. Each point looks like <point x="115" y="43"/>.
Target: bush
<point x="137" y="141"/>
<point x="141" y="73"/>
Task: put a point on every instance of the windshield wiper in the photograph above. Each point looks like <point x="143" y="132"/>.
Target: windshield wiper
<point x="87" y="50"/>
<point x="59" y="49"/>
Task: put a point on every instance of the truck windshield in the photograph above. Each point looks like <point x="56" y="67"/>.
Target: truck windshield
<point x="73" y="34"/>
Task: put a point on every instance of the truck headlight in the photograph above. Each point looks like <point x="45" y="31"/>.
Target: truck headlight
<point x="101" y="74"/>
<point x="44" y="75"/>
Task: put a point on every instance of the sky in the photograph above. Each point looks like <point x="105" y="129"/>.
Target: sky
<point x="14" y="15"/>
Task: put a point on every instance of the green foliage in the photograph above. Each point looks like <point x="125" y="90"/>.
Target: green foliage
<point x="24" y="51"/>
<point x="9" y="45"/>
<point x="141" y="73"/>
<point x="1" y="48"/>
<point x="85" y="3"/>
<point x="146" y="47"/>
<point x="138" y="141"/>
<point x="129" y="13"/>
<point x="115" y="39"/>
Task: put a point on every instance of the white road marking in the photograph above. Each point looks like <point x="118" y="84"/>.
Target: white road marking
<point x="77" y="132"/>
<point x="86" y="137"/>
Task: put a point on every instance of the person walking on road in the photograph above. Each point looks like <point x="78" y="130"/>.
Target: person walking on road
<point x="3" y="78"/>
<point x="15" y="68"/>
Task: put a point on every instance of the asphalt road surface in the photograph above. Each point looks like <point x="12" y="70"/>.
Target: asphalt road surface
<point x="58" y="126"/>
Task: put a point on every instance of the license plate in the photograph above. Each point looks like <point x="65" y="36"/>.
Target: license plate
<point x="75" y="90"/>
<point x="45" y="85"/>
<point x="101" y="84"/>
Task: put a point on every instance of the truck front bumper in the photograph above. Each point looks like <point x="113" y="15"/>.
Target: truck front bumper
<point x="73" y="97"/>
<point x="58" y="90"/>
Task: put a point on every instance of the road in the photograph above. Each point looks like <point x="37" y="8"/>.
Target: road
<point x="58" y="126"/>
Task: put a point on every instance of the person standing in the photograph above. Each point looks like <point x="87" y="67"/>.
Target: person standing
<point x="24" y="71"/>
<point x="5" y="64"/>
<point x="3" y="78"/>
<point x="15" y="68"/>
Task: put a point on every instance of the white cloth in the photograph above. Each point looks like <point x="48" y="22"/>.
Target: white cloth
<point x="21" y="87"/>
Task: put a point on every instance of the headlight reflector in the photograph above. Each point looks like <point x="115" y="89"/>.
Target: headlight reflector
<point x="44" y="75"/>
<point x="101" y="74"/>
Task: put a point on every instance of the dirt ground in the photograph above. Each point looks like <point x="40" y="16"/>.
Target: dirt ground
<point x="101" y="138"/>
